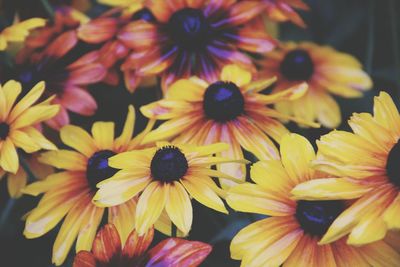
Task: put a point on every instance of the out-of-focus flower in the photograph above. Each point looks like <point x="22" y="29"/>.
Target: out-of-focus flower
<point x="326" y="71"/>
<point x="69" y="192"/>
<point x="166" y="177"/>
<point x="195" y="38"/>
<point x="113" y="53"/>
<point x="230" y="110"/>
<point x="291" y="235"/>
<point x="53" y="55"/>
<point x="366" y="164"/>
<point x="17" y="181"/>
<point x="19" y="31"/>
<point x="107" y="251"/>
<point x="17" y="121"/>
<point x="284" y="10"/>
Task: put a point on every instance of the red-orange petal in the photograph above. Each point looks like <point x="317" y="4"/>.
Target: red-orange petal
<point x="178" y="252"/>
<point x="136" y="246"/>
<point x="84" y="259"/>
<point x="106" y="244"/>
<point x="61" y="45"/>
<point x="98" y="30"/>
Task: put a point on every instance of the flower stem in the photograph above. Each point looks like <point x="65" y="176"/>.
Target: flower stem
<point x="6" y="211"/>
<point x="48" y="8"/>
<point x="173" y="230"/>
<point x="27" y="169"/>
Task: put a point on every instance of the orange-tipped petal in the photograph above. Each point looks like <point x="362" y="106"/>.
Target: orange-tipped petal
<point x="107" y="243"/>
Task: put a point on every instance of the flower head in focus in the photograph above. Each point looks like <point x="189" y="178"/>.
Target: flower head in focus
<point x="326" y="71"/>
<point x="231" y="110"/>
<point x="195" y="38"/>
<point x="366" y="164"/>
<point x="107" y="251"/>
<point x="69" y="192"/>
<point x="164" y="178"/>
<point x="18" y="120"/>
<point x="291" y="235"/>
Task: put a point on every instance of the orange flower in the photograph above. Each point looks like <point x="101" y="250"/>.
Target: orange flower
<point x="284" y="10"/>
<point x="107" y="251"/>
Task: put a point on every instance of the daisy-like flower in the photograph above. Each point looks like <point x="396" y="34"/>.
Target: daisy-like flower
<point x="326" y="71"/>
<point x="19" y="31"/>
<point x="366" y="166"/>
<point x="17" y="181"/>
<point x="17" y="121"/>
<point x="114" y="54"/>
<point x="230" y="110"/>
<point x="64" y="67"/>
<point x="69" y="193"/>
<point x="291" y="235"/>
<point x="165" y="177"/>
<point x="284" y="10"/>
<point x="195" y="38"/>
<point x="107" y="251"/>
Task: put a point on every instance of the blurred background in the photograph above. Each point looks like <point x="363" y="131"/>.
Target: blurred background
<point x="366" y="29"/>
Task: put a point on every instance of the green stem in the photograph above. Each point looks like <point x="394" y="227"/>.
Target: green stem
<point x="370" y="37"/>
<point x="48" y="8"/>
<point x="393" y="20"/>
<point x="27" y="169"/>
<point x="6" y="211"/>
<point x="173" y="230"/>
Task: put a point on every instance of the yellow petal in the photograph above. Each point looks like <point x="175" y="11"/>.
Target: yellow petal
<point x="257" y="86"/>
<point x="386" y="113"/>
<point x="371" y="228"/>
<point x="11" y="91"/>
<point x="15" y="182"/>
<point x="22" y="140"/>
<point x="123" y="218"/>
<point x="297" y="154"/>
<point x="235" y="74"/>
<point x="126" y="160"/>
<point x="392" y="214"/>
<point x="52" y="181"/>
<point x="271" y="175"/>
<point x="9" y="160"/>
<point x="179" y="207"/>
<point x="35" y="115"/>
<point x="78" y="139"/>
<point x="204" y="194"/>
<point x="127" y="131"/>
<point x="329" y="189"/>
<point x="88" y="229"/>
<point x="185" y="90"/>
<point x="292" y="93"/>
<point x="150" y="205"/>
<point x="103" y="134"/>
<point x="64" y="159"/>
<point x="380" y="254"/>
<point x="39" y="138"/>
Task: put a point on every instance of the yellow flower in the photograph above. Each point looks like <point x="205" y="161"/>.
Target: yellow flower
<point x="366" y="164"/>
<point x="69" y="193"/>
<point x="165" y="177"/>
<point x="291" y="235"/>
<point x="17" y="122"/>
<point x="19" y="31"/>
<point x="326" y="71"/>
<point x="230" y="110"/>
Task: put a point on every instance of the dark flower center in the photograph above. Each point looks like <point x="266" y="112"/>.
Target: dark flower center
<point x="189" y="28"/>
<point x="297" y="65"/>
<point x="4" y="130"/>
<point x="97" y="168"/>
<point x="168" y="164"/>
<point x="223" y="101"/>
<point x="392" y="167"/>
<point x="315" y="217"/>
<point x="144" y="14"/>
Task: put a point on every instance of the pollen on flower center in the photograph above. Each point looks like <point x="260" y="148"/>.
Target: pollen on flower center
<point x="189" y="28"/>
<point x="223" y="101"/>
<point x="392" y="167"/>
<point x="315" y="217"/>
<point x="297" y="65"/>
<point x="168" y="164"/>
<point x="144" y="14"/>
<point x="98" y="169"/>
<point x="4" y="130"/>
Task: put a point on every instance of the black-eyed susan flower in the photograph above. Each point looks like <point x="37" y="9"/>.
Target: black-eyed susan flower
<point x="365" y="164"/>
<point x="107" y="251"/>
<point x="291" y="235"/>
<point x="230" y="110"/>
<point x="195" y="38"/>
<point x="164" y="178"/>
<point x="285" y="10"/>
<point x="19" y="31"/>
<point x="17" y="121"/>
<point x="64" y="66"/>
<point x="326" y="71"/>
<point x="69" y="193"/>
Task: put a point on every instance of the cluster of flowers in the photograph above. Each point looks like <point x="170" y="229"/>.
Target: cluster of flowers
<point x="216" y="63"/>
